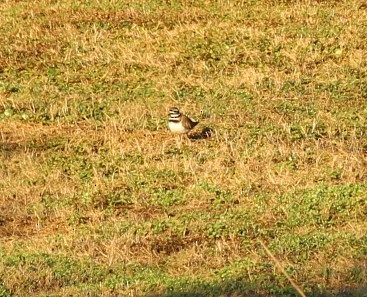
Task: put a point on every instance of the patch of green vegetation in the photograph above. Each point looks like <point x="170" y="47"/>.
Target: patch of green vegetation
<point x="324" y="206"/>
<point x="47" y="271"/>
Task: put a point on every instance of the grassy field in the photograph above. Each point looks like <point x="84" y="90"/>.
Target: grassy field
<point x="97" y="198"/>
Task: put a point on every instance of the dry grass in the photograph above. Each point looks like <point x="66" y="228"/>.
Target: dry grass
<point x="98" y="198"/>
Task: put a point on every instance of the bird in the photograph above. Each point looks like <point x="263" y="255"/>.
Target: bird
<point x="178" y="122"/>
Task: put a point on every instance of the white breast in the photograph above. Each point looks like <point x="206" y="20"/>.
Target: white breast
<point x="177" y="127"/>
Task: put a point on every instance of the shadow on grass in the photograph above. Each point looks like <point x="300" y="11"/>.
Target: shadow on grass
<point x="207" y="132"/>
<point x="243" y="289"/>
<point x="9" y="148"/>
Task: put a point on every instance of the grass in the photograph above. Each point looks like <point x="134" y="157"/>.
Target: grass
<point x="99" y="199"/>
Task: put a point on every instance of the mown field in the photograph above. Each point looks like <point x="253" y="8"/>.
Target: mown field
<point x="98" y="198"/>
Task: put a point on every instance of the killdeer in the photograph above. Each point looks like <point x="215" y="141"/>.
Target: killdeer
<point x="178" y="122"/>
